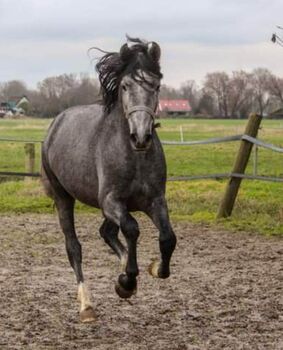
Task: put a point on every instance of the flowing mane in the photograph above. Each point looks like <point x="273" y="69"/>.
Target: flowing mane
<point x="131" y="60"/>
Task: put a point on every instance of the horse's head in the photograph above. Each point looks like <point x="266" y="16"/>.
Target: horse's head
<point x="132" y="78"/>
<point x="138" y="94"/>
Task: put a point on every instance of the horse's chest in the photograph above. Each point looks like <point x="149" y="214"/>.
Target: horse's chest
<point x="139" y="195"/>
<point x="142" y="184"/>
<point x="140" y="187"/>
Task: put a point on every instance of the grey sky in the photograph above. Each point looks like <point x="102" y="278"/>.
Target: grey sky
<point x="40" y="38"/>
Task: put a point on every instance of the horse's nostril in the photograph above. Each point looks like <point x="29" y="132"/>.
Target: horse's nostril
<point x="133" y="138"/>
<point x="147" y="138"/>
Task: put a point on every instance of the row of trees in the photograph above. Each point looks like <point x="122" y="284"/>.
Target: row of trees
<point x="232" y="96"/>
<point x="53" y="94"/>
<point x="222" y="95"/>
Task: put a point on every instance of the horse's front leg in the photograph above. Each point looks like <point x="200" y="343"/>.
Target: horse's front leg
<point x="158" y="212"/>
<point x="109" y="232"/>
<point x="116" y="212"/>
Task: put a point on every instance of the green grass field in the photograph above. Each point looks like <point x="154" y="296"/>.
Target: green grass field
<point x="259" y="207"/>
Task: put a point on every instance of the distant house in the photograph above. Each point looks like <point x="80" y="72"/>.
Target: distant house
<point x="174" y="107"/>
<point x="14" y="105"/>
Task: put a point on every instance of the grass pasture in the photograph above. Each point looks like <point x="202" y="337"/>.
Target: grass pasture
<point x="259" y="207"/>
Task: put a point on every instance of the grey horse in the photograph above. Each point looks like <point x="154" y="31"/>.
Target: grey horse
<point x="108" y="156"/>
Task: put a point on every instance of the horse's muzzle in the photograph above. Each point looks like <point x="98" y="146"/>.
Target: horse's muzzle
<point x="140" y="143"/>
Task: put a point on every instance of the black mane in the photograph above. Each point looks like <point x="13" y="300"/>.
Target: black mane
<point x="114" y="65"/>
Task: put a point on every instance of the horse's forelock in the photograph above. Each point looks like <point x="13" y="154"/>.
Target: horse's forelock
<point x="135" y="56"/>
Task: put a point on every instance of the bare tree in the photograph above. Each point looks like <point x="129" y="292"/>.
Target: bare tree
<point x="206" y="104"/>
<point x="190" y="92"/>
<point x="239" y="94"/>
<point x="275" y="87"/>
<point x="217" y="85"/>
<point x="168" y="92"/>
<point x="13" y="88"/>
<point x="260" y="80"/>
<point x="61" y="92"/>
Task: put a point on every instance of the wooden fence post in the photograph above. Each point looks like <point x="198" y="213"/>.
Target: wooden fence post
<point x="29" y="157"/>
<point x="227" y="203"/>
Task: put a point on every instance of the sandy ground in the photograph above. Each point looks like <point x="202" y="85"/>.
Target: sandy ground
<point x="225" y="291"/>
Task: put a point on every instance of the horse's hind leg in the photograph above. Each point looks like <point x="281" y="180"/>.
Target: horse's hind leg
<point x="65" y="207"/>
<point x="167" y="239"/>
<point x="109" y="232"/>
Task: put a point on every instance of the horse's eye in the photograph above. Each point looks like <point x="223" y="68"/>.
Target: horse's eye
<point x="157" y="87"/>
<point x="124" y="87"/>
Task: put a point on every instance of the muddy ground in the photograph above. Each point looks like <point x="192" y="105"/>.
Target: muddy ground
<point x="225" y="291"/>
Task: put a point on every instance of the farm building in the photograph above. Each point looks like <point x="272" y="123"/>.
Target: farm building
<point x="174" y="107"/>
<point x="14" y="105"/>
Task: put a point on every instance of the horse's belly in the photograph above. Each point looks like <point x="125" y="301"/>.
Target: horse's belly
<point x="84" y="190"/>
<point x="87" y="198"/>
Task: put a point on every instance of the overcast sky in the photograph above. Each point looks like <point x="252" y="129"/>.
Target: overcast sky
<point x="40" y="38"/>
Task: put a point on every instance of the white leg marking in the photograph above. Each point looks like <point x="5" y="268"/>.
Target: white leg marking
<point x="123" y="262"/>
<point x="153" y="268"/>
<point x="83" y="297"/>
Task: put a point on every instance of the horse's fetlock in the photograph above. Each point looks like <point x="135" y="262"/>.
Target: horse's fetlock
<point x="169" y="243"/>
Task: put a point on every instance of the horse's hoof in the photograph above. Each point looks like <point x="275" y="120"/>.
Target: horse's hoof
<point x="124" y="293"/>
<point x="87" y="315"/>
<point x="154" y="268"/>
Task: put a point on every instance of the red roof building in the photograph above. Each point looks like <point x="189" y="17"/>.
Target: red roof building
<point x="174" y="106"/>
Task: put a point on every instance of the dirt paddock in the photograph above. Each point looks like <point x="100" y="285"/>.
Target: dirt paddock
<point x="225" y="291"/>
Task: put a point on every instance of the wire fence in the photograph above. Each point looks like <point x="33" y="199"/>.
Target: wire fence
<point x="262" y="157"/>
<point x="256" y="160"/>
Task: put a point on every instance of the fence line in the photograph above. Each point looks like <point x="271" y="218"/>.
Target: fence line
<point x="19" y="140"/>
<point x="204" y="142"/>
<point x="262" y="144"/>
<point x="10" y="173"/>
<point x="226" y="139"/>
<point x="225" y="176"/>
<point x="189" y="143"/>
<point x="214" y="140"/>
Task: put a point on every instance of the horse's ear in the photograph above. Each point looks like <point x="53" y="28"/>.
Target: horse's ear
<point x="154" y="51"/>
<point x="125" y="52"/>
